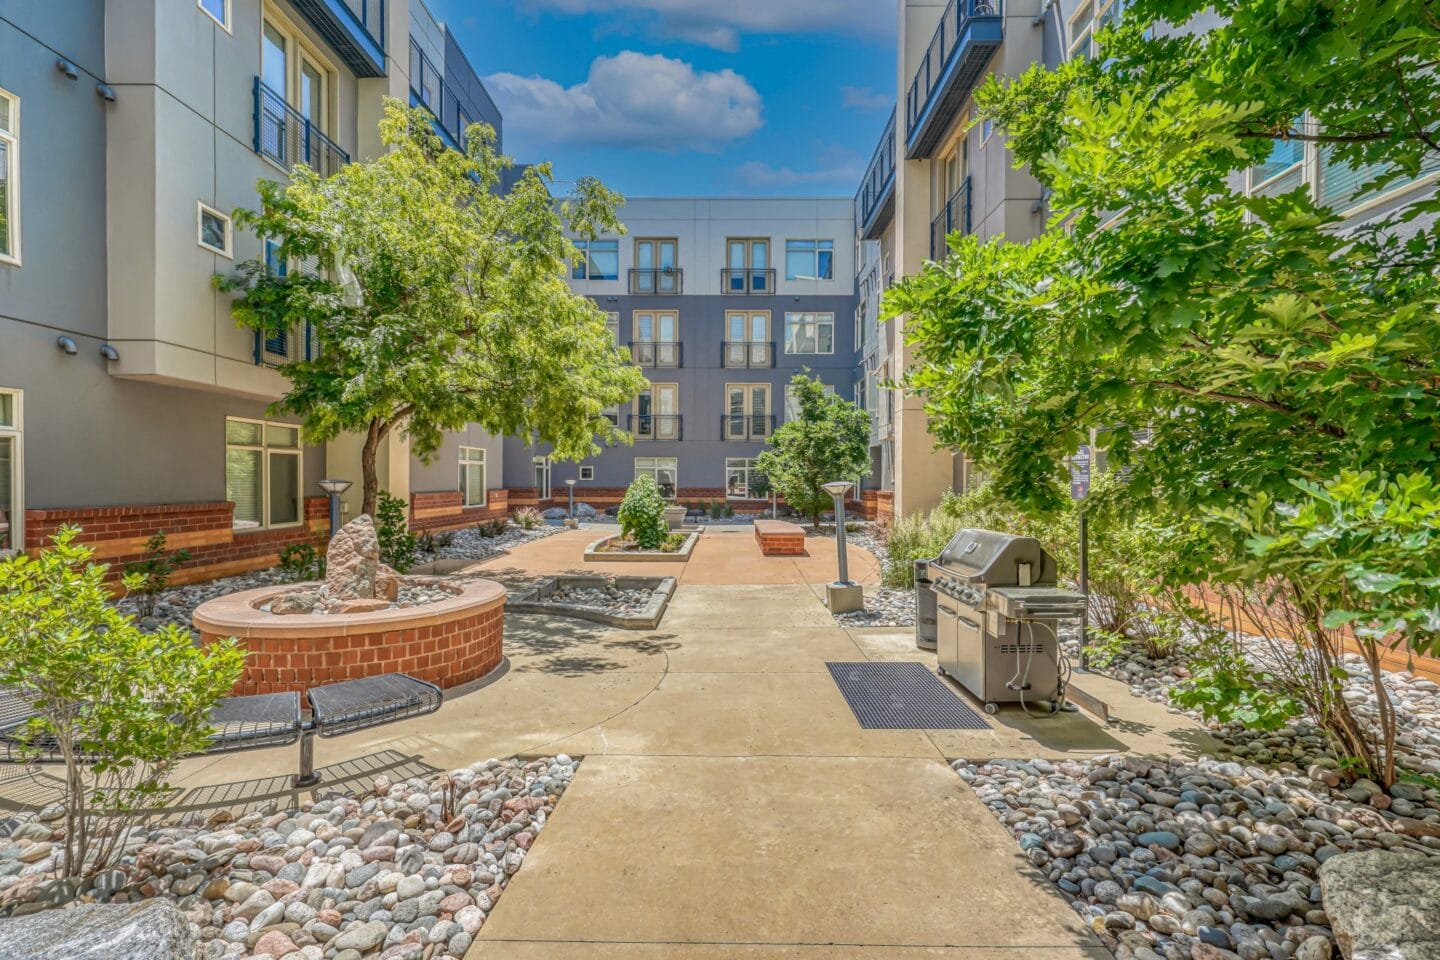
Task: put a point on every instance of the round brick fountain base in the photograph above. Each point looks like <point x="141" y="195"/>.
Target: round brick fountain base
<point x="447" y="643"/>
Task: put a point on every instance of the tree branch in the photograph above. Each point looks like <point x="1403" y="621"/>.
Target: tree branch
<point x="1260" y="402"/>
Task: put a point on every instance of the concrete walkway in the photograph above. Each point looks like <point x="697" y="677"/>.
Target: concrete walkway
<point x="729" y="805"/>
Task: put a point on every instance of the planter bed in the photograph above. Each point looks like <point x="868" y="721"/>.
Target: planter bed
<point x="556" y="595"/>
<point x="595" y="553"/>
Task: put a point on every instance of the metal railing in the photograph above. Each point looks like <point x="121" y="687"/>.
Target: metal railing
<point x="747" y="280"/>
<point x="955" y="216"/>
<point x="284" y="135"/>
<point x="656" y="280"/>
<point x="429" y="89"/>
<point x="746" y="426"/>
<point x="655" y="426"/>
<point x="747" y="353"/>
<point x="655" y="353"/>
<point x="879" y="176"/>
<point x="943" y="45"/>
<point x="368" y="15"/>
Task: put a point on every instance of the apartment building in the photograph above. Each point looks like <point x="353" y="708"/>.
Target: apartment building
<point x="934" y="172"/>
<point x="720" y="302"/>
<point x="130" y="402"/>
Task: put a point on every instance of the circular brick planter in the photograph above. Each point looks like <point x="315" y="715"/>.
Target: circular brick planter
<point x="447" y="643"/>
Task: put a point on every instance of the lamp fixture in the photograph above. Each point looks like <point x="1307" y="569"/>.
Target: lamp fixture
<point x="334" y="486"/>
<point x="67" y="345"/>
<point x="67" y="68"/>
<point x="109" y="352"/>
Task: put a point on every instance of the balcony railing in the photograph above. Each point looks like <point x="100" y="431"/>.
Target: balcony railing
<point x="284" y="135"/>
<point x="655" y="426"/>
<point x="747" y="280"/>
<point x="660" y="280"/>
<point x="354" y="29"/>
<point x="428" y="89"/>
<point x="655" y="353"/>
<point x="969" y="32"/>
<point x="877" y="190"/>
<point x="955" y="216"/>
<point x="277" y="348"/>
<point x="747" y="353"/>
<point x="749" y="426"/>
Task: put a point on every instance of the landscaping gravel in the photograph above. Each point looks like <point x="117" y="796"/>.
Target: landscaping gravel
<point x="397" y="872"/>
<point x="884" y="607"/>
<point x="468" y="544"/>
<point x="175" y="605"/>
<point x="1194" y="860"/>
<point x="610" y="599"/>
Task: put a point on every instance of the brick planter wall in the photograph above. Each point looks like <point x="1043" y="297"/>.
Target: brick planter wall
<point x="118" y="535"/>
<point x="446" y="510"/>
<point x="877" y="504"/>
<point x="447" y="643"/>
<point x="779" y="539"/>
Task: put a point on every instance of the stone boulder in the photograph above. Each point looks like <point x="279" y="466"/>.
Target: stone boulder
<point x="585" y="511"/>
<point x="353" y="561"/>
<point x="555" y="513"/>
<point x="387" y="584"/>
<point x="301" y="601"/>
<point x="1383" y="904"/>
<point x="150" y="930"/>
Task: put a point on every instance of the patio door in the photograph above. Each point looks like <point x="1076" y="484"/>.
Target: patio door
<point x="658" y="412"/>
<point x="747" y="411"/>
<point x="748" y="263"/>
<point x="656" y="259"/>
<point x="657" y="338"/>
<point x="747" y="338"/>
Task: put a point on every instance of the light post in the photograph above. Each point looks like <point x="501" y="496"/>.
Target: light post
<point x="570" y="484"/>
<point x="333" y="489"/>
<point x="842" y="596"/>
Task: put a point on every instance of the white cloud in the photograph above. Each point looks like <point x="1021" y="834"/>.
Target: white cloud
<point x="721" y="24"/>
<point x="863" y="98"/>
<point x="833" y="165"/>
<point x="631" y="99"/>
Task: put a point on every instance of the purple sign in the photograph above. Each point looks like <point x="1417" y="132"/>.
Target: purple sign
<point x="1080" y="474"/>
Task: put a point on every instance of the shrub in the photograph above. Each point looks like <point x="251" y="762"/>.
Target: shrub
<point x="642" y="514"/>
<point x="392" y="529"/>
<point x="914" y="537"/>
<point x="492" y="528"/>
<point x="716" y="510"/>
<point x="528" y="518"/>
<point x="118" y="705"/>
<point x="301" y="561"/>
<point x="146" y="579"/>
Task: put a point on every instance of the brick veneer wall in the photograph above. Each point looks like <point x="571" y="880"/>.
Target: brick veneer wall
<point x="446" y="510"/>
<point x="877" y="504"/>
<point x="602" y="497"/>
<point x="779" y="539"/>
<point x="118" y="535"/>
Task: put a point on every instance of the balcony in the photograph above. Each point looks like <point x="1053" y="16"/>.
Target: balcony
<point x="288" y="138"/>
<point x="968" y="34"/>
<point x="875" y="203"/>
<point x="750" y="426"/>
<point x="955" y="216"/>
<point x="747" y="353"/>
<point x="354" y="29"/>
<point x="655" y="280"/>
<point x="655" y="353"/>
<point x="747" y="280"/>
<point x="428" y="89"/>
<point x="655" y="426"/>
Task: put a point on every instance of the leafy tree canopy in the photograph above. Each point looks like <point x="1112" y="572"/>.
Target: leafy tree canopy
<point x="829" y="440"/>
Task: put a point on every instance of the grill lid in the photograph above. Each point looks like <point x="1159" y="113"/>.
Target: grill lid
<point x="994" y="558"/>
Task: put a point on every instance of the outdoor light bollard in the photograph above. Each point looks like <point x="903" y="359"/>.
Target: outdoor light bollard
<point x="333" y="489"/>
<point x="842" y="596"/>
<point x="570" y="520"/>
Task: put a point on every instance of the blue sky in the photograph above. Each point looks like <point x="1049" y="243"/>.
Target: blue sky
<point x="688" y="97"/>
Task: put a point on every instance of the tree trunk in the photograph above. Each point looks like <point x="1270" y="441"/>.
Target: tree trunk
<point x="369" y="476"/>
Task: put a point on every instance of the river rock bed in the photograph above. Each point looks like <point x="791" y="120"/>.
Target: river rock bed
<point x="884" y="607"/>
<point x="610" y="598"/>
<point x="1192" y="860"/>
<point x="408" y="871"/>
<point x="470" y="544"/>
<point x="176" y="605"/>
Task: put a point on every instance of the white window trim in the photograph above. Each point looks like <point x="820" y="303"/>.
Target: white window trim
<point x="202" y="208"/>
<point x="749" y="469"/>
<point x="545" y="492"/>
<point x="263" y="446"/>
<point x="223" y="24"/>
<point x="587" y="473"/>
<point x="17" y="431"/>
<point x="817" y="352"/>
<point x="12" y="140"/>
<point x="815" y="265"/>
<point x="672" y="463"/>
<point x="468" y="458"/>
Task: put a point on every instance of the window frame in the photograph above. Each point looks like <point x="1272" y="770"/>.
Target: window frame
<point x="652" y="392"/>
<point x="266" y="452"/>
<point x="299" y="51"/>
<point x="224" y="24"/>
<point x="470" y="461"/>
<point x="654" y="471"/>
<point x="816" y="250"/>
<point x="747" y="415"/>
<point x="11" y="136"/>
<point x="817" y="314"/>
<point x="544" y="466"/>
<point x="587" y="471"/>
<point x="791" y="409"/>
<point x="748" y="468"/>
<point x="201" y="209"/>
<point x="15" y="431"/>
<point x="586" y="266"/>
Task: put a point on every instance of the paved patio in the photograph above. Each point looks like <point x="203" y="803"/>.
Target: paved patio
<point x="729" y="805"/>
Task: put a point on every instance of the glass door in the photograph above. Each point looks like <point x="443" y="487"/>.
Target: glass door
<point x="748" y="266"/>
<point x="747" y="338"/>
<point x="655" y="262"/>
<point x="667" y="411"/>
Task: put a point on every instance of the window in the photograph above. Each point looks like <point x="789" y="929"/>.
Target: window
<point x="542" y="477"/>
<point x="587" y="473"/>
<point x="214" y="229"/>
<point x="1091" y="16"/>
<point x="657" y="413"/>
<point x="472" y="476"/>
<point x="656" y="266"/>
<point x="600" y="260"/>
<point x="219" y="11"/>
<point x="1282" y="171"/>
<point x="1343" y="187"/>
<point x="295" y="71"/>
<point x="657" y="338"/>
<point x="747" y="266"/>
<point x="792" y="402"/>
<point x="9" y="178"/>
<point x="738" y="471"/>
<point x="12" y="505"/>
<point x="747" y="338"/>
<point x="665" y="470"/>
<point x="747" y="411"/>
<point x="809" y="333"/>
<point x="809" y="259"/>
<point x="263" y="473"/>
<point x="987" y="127"/>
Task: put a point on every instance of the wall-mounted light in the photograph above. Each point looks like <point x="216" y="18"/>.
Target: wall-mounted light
<point x="109" y="352"/>
<point x="106" y="91"/>
<point x="67" y="68"/>
<point x="67" y="345"/>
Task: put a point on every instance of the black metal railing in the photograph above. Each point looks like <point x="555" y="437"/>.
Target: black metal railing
<point x="954" y="217"/>
<point x="746" y="426"/>
<point x="949" y="37"/>
<point x="879" y="177"/>
<point x="747" y="280"/>
<point x="655" y="353"/>
<point x="284" y="135"/>
<point x="747" y="353"/>
<point x="655" y="280"/>
<point x="655" y="426"/>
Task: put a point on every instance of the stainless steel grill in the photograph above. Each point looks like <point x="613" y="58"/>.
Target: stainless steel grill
<point x="997" y="613"/>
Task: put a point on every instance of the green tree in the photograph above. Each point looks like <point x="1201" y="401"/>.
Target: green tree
<point x="829" y="440"/>
<point x="118" y="705"/>
<point x="642" y="513"/>
<point x="435" y="299"/>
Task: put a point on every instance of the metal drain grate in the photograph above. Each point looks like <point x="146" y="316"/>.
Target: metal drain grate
<point x="902" y="696"/>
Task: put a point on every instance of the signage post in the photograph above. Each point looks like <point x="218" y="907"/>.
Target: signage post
<point x="1079" y="492"/>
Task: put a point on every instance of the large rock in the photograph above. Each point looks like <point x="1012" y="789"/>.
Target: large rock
<point x="152" y="930"/>
<point x="1383" y="904"/>
<point x="353" y="561"/>
<point x="387" y="583"/>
